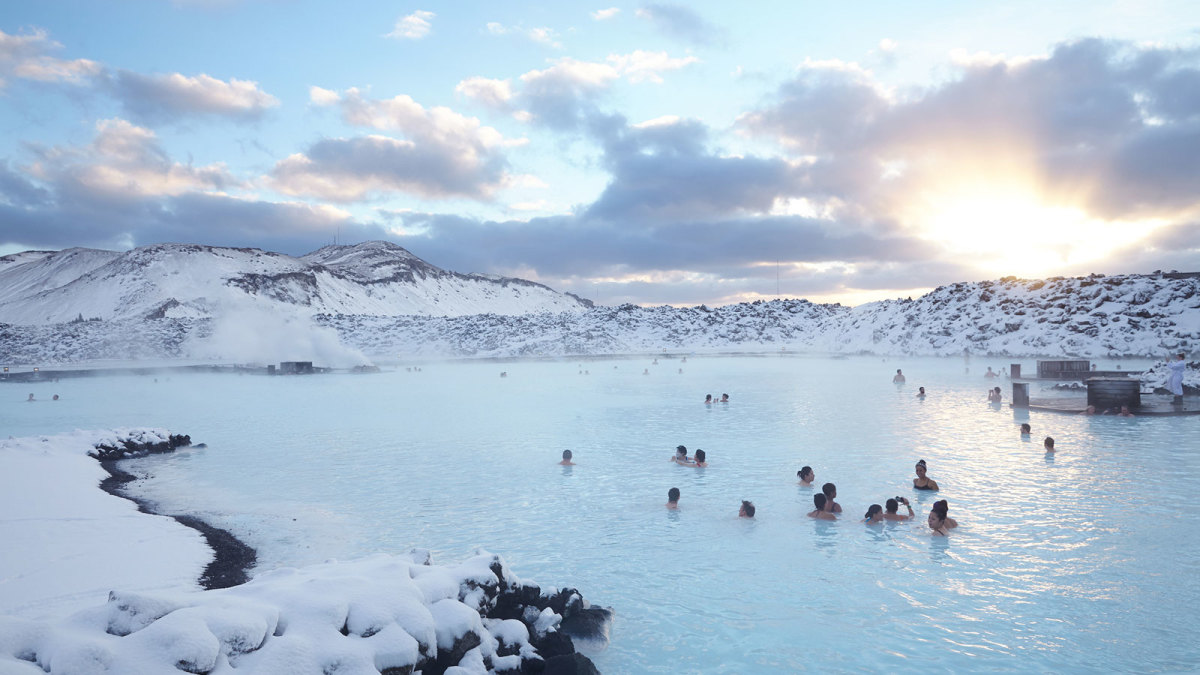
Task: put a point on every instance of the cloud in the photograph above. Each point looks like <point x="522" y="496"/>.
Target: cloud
<point x="27" y="56"/>
<point x="681" y="22"/>
<point x="544" y="36"/>
<point x="605" y="14"/>
<point x="564" y="95"/>
<point x="1110" y="126"/>
<point x="159" y="98"/>
<point x="441" y="153"/>
<point x="413" y="27"/>
<point x="124" y="162"/>
<point x="122" y="189"/>
<point x="644" y="66"/>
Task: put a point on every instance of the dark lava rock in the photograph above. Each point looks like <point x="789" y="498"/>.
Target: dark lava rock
<point x="570" y="664"/>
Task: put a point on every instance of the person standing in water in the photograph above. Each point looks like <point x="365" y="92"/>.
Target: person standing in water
<point x="747" y="510"/>
<point x="1049" y="445"/>
<point x="921" y="392"/>
<point x="830" y="492"/>
<point x="1175" y="381"/>
<point x="899" y="378"/>
<point x="923" y="482"/>
<point x="820" y="513"/>
<point x="566" y="460"/>
<point x="874" y="515"/>
<point x="893" y="505"/>
<point x="806" y="476"/>
<point x="673" y="498"/>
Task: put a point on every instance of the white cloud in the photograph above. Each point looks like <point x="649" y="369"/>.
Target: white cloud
<point x="605" y="14"/>
<point x="888" y="45"/>
<point x="125" y="160"/>
<point x="491" y="93"/>
<point x="540" y="35"/>
<point x="25" y="57"/>
<point x="644" y="66"/>
<point x="323" y="97"/>
<point x="173" y="95"/>
<point x="413" y="27"/>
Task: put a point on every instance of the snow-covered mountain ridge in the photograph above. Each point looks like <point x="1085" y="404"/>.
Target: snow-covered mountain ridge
<point x="1095" y="316"/>
<point x="189" y="280"/>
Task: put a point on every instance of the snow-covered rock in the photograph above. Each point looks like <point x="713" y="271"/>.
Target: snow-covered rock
<point x="1088" y="317"/>
<point x="192" y="281"/>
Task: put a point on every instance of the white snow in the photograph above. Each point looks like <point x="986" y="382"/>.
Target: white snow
<point x="191" y="281"/>
<point x="89" y="585"/>
<point x="66" y="543"/>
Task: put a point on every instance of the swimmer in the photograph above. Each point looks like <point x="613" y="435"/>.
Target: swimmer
<point x="708" y="399"/>
<point x="899" y="378"/>
<point x="942" y="507"/>
<point x="874" y="515"/>
<point x="1090" y="410"/>
<point x="680" y="456"/>
<point x="830" y="492"/>
<point x="700" y="462"/>
<point x="1124" y="411"/>
<point x="30" y="399"/>
<point x="747" y="510"/>
<point x="990" y="373"/>
<point x="1026" y="429"/>
<point x="566" y="460"/>
<point x="673" y="498"/>
<point x="646" y="371"/>
<point x="56" y="398"/>
<point x="937" y="524"/>
<point x="893" y="505"/>
<point x="820" y="513"/>
<point x="806" y="476"/>
<point x="724" y="398"/>
<point x="922" y="482"/>
<point x="1049" y="445"/>
<point x="921" y="392"/>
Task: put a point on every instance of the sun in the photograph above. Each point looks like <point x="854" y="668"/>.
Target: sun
<point x="1011" y="230"/>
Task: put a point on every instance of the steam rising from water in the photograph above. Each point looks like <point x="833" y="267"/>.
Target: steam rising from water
<point x="261" y="336"/>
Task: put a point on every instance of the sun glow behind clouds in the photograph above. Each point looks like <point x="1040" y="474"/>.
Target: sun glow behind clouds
<point x="1012" y="232"/>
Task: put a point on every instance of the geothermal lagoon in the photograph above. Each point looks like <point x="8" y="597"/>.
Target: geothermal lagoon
<point x="1082" y="560"/>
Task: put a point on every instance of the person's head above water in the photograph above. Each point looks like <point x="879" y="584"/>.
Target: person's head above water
<point x="892" y="506"/>
<point x="872" y="510"/>
<point x="921" y="467"/>
<point x="681" y="451"/>
<point x="819" y="501"/>
<point x="1049" y="443"/>
<point x="897" y="371"/>
<point x="747" y="510"/>
<point x="806" y="474"/>
<point x="829" y="490"/>
<point x="708" y="398"/>
<point x="699" y="456"/>
<point x="567" y="455"/>
<point x="1026" y="429"/>
<point x="673" y="495"/>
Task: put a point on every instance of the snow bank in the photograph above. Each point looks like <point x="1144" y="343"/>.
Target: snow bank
<point x="67" y="543"/>
<point x="366" y="616"/>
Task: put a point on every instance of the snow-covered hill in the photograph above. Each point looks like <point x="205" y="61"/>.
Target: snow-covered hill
<point x="191" y="281"/>
<point x="1095" y="316"/>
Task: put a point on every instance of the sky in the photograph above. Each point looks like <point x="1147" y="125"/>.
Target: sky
<point x="651" y="153"/>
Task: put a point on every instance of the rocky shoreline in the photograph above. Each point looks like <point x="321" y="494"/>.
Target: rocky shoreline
<point x="552" y="620"/>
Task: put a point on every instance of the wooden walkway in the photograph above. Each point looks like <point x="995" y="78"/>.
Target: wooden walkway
<point x="1152" y="406"/>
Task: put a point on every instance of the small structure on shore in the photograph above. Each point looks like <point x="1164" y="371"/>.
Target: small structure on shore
<point x="295" y="368"/>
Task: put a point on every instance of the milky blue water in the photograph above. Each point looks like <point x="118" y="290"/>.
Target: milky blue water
<point x="1082" y="561"/>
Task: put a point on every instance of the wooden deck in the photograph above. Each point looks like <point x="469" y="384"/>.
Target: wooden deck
<point x="1153" y="405"/>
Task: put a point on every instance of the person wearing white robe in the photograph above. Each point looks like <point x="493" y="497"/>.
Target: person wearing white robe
<point x="1175" y="381"/>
